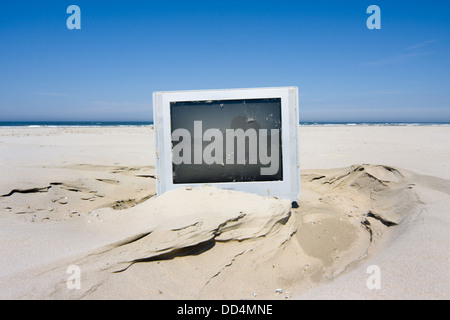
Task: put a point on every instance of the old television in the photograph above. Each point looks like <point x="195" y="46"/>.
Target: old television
<point x="237" y="139"/>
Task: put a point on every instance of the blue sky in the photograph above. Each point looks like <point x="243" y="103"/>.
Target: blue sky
<point x="125" y="50"/>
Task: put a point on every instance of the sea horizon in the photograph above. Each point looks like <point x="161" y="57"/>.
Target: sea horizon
<point x="37" y="124"/>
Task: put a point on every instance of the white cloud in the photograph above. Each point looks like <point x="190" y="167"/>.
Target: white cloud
<point x="421" y="44"/>
<point x="55" y="94"/>
<point x="400" y="58"/>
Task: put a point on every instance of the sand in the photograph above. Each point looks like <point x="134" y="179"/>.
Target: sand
<point x="372" y="198"/>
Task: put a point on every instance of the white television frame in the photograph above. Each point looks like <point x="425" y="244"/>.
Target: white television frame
<point x="287" y="188"/>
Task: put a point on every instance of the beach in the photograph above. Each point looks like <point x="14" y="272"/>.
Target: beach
<point x="372" y="221"/>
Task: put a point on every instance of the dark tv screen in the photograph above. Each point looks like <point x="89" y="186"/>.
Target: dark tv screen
<point x="226" y="141"/>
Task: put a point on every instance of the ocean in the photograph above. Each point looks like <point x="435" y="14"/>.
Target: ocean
<point x="36" y="124"/>
<point x="51" y="124"/>
<point x="365" y="123"/>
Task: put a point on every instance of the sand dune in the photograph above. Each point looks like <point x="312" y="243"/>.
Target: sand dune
<point x="207" y="243"/>
<point x="235" y="245"/>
